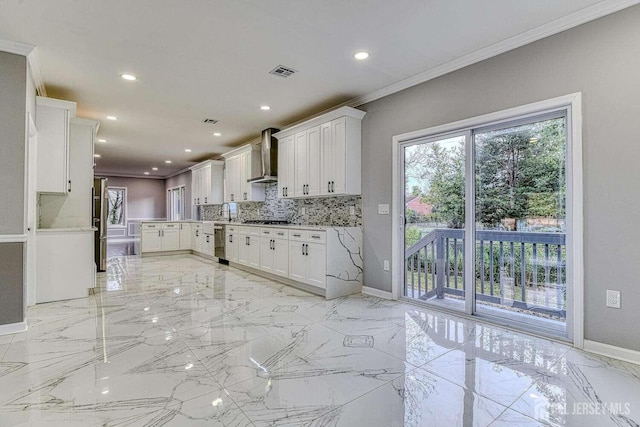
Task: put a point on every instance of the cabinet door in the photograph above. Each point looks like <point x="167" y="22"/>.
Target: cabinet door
<point x="194" y="187"/>
<point x="301" y="169"/>
<point x="316" y="273"/>
<point x="233" y="177"/>
<point x="285" y="173"/>
<point x="339" y="156"/>
<point x="313" y="155"/>
<point x="231" y="249"/>
<point x="281" y="257"/>
<point x="297" y="261"/>
<point x="254" y="252"/>
<point x="206" y="184"/>
<point x="267" y="255"/>
<point x="171" y="239"/>
<point x="53" y="149"/>
<point x="243" y="249"/>
<point x="208" y="244"/>
<point x="185" y="236"/>
<point x="151" y="240"/>
<point x="326" y="158"/>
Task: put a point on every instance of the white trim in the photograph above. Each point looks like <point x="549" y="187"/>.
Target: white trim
<point x="13" y="328"/>
<point x="13" y="238"/>
<point x="206" y="163"/>
<point x="366" y="290"/>
<point x="572" y="102"/>
<point x="180" y="172"/>
<point x="320" y="119"/>
<point x="580" y="17"/>
<point x="33" y="58"/>
<point x="124" y="175"/>
<point x="18" y="48"/>
<point x="619" y="353"/>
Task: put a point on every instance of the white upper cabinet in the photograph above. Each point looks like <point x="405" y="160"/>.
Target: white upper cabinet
<point x="241" y="165"/>
<point x="207" y="183"/>
<point x="321" y="157"/>
<point x="52" y="122"/>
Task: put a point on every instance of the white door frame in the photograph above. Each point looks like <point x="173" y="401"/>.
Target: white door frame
<point x="30" y="217"/>
<point x="575" y="274"/>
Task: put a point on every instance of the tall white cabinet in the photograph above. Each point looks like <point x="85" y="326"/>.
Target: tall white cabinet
<point x="53" y="121"/>
<point x="241" y="165"/>
<point x="207" y="183"/>
<point x="322" y="156"/>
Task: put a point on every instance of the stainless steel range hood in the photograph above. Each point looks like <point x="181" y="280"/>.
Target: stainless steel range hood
<point x="269" y="158"/>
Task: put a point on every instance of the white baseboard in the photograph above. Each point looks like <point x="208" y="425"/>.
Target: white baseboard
<point x="377" y="293"/>
<point x="13" y="328"/>
<point x="620" y="353"/>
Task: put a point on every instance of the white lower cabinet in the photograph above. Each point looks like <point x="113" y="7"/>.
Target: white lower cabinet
<point x="231" y="246"/>
<point x="151" y="238"/>
<point x="249" y="251"/>
<point x="308" y="262"/>
<point x="274" y="256"/>
<point x="185" y="236"/>
<point x="170" y="237"/>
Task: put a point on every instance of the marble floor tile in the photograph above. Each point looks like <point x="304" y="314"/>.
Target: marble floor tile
<point x="182" y="341"/>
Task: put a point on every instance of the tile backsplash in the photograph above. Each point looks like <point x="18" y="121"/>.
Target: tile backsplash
<point x="318" y="211"/>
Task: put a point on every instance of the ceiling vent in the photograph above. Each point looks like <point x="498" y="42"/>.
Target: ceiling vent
<point x="210" y="121"/>
<point x="282" y="71"/>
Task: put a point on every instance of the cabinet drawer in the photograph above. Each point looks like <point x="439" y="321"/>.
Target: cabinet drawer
<point x="298" y="235"/>
<point x="171" y="226"/>
<point x="250" y="231"/>
<point x="151" y="226"/>
<point x="318" y="236"/>
<point x="232" y="229"/>
<point x="276" y="233"/>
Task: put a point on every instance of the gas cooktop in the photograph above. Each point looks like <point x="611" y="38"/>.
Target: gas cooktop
<point x="266" y="221"/>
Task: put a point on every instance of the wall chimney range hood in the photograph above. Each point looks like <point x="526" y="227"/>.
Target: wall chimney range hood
<point x="269" y="155"/>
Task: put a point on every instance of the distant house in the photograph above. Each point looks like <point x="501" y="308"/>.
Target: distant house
<point x="418" y="206"/>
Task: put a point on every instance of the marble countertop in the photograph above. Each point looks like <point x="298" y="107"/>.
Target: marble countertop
<point x="240" y="224"/>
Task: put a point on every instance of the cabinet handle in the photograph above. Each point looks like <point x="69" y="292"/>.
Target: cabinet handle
<point x="315" y="236"/>
<point x="245" y="196"/>
<point x="333" y="186"/>
<point x="205" y="200"/>
<point x="286" y="193"/>
<point x="247" y="240"/>
<point x="303" y="249"/>
<point x="296" y="235"/>
<point x="159" y="235"/>
<point x="195" y="201"/>
<point x="69" y="188"/>
<point x="328" y="186"/>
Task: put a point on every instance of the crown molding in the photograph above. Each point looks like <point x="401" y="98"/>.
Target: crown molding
<point x="36" y="73"/>
<point x="18" y="48"/>
<point x="580" y="17"/>
<point x="125" y="175"/>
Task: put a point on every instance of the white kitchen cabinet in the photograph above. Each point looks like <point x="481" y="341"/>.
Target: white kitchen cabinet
<point x="274" y="251"/>
<point x="170" y="236"/>
<point x="151" y="238"/>
<point x="231" y="246"/>
<point x="52" y="122"/>
<point x="207" y="183"/>
<point x="197" y="238"/>
<point x="249" y="251"/>
<point x="326" y="155"/>
<point x="185" y="236"/>
<point x="241" y="165"/>
<point x="308" y="257"/>
<point x="307" y="162"/>
<point x="286" y="167"/>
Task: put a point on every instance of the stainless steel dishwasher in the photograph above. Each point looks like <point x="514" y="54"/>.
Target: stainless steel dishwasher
<point x="219" y="240"/>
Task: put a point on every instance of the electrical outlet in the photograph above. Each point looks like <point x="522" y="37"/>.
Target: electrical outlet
<point x="613" y="298"/>
<point x="383" y="209"/>
<point x="352" y="210"/>
<point x="386" y="265"/>
<point x="303" y="211"/>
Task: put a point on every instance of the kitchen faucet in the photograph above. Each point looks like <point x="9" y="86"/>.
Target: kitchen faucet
<point x="228" y="210"/>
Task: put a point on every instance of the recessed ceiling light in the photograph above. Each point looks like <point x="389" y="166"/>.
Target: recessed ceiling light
<point x="265" y="107"/>
<point x="361" y="55"/>
<point x="112" y="118"/>
<point x="128" y="76"/>
<point x="155" y="169"/>
<point x="187" y="150"/>
<point x="217" y="134"/>
<point x="167" y="161"/>
<point x="97" y="155"/>
<point x="102" y="140"/>
<point x="146" y="173"/>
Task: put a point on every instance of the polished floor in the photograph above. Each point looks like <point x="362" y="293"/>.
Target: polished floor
<point x="182" y="341"/>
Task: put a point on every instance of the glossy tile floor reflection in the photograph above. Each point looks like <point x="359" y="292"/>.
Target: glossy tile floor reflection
<point x="182" y="341"/>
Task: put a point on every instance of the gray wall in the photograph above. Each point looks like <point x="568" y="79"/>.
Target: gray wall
<point x="146" y="198"/>
<point x="13" y="91"/>
<point x="13" y="95"/>
<point x="177" y="181"/>
<point x="599" y="59"/>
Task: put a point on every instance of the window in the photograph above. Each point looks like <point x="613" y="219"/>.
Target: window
<point x="175" y="201"/>
<point x="117" y="206"/>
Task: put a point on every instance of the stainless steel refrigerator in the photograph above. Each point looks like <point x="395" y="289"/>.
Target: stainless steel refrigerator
<point x="100" y="207"/>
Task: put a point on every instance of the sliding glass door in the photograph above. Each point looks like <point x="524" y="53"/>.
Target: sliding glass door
<point x="490" y="201"/>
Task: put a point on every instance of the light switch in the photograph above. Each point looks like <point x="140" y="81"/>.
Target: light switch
<point x="383" y="209"/>
<point x="352" y="210"/>
<point x="386" y="265"/>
